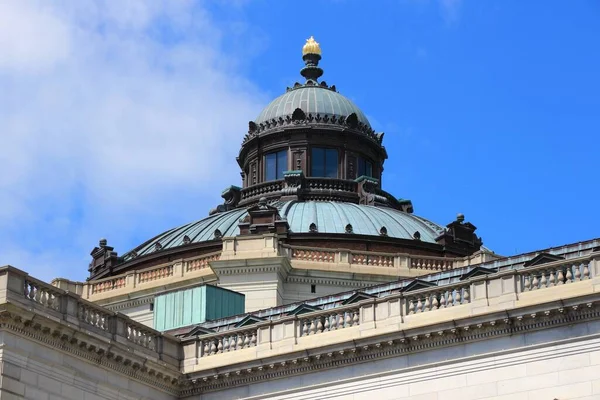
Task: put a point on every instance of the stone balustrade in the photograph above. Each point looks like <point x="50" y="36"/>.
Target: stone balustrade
<point x="254" y="192"/>
<point x="374" y="259"/>
<point x="157" y="276"/>
<point x="234" y="340"/>
<point x="444" y="297"/>
<point x="555" y="274"/>
<point x="482" y="291"/>
<point x="432" y="263"/>
<point x="339" y="318"/>
<point x="26" y="292"/>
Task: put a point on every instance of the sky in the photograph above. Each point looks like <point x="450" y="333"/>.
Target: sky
<point x="120" y="120"/>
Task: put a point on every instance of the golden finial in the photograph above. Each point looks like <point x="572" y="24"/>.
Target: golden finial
<point x="311" y="47"/>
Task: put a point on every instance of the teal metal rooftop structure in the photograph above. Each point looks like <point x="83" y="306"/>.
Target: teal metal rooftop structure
<point x="329" y="218"/>
<point x="311" y="171"/>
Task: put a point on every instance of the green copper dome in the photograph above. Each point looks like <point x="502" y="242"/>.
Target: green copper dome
<point x="328" y="217"/>
<point x="312" y="100"/>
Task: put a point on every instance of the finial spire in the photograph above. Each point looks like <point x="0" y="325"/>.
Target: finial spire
<point x="311" y="54"/>
<point x="311" y="47"/>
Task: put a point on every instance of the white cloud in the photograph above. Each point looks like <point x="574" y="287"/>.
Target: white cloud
<point x="115" y="117"/>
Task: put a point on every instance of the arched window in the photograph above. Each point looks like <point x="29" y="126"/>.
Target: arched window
<point x="324" y="162"/>
<point x="275" y="165"/>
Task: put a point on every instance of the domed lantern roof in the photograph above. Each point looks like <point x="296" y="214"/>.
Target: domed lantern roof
<point x="311" y="168"/>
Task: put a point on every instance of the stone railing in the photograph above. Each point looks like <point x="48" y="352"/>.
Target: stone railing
<point x="339" y="318"/>
<point x="403" y="309"/>
<point x="157" y="276"/>
<point x="431" y="300"/>
<point x="342" y="185"/>
<point x="378" y="260"/>
<point x="374" y="259"/>
<point x="260" y="190"/>
<point x="321" y="255"/>
<point x="432" y="263"/>
<point x="109" y="284"/>
<point x="155" y="273"/>
<point x="20" y="289"/>
<point x="231" y="341"/>
<point x="555" y="274"/>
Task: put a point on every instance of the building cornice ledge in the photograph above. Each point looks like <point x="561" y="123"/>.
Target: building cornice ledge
<point x="397" y="342"/>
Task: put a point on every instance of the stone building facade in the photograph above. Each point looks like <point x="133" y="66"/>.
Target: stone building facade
<point x="347" y="293"/>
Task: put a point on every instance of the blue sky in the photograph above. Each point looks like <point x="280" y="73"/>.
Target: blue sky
<point x="123" y="120"/>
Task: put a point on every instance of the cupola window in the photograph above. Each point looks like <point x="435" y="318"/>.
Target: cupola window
<point x="275" y="165"/>
<point x="324" y="162"/>
<point x="365" y="167"/>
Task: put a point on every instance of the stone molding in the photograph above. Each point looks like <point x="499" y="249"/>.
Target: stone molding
<point x="327" y="281"/>
<point x="398" y="343"/>
<point x="107" y="354"/>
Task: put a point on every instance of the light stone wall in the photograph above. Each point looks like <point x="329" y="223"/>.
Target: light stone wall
<point x="294" y="292"/>
<point x="33" y="371"/>
<point x="560" y="363"/>
<point x="141" y="314"/>
<point x="262" y="290"/>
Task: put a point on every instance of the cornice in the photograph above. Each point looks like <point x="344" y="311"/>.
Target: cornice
<point x="130" y="303"/>
<point x="395" y="344"/>
<point x="327" y="281"/>
<point x="109" y="355"/>
<point x="279" y="264"/>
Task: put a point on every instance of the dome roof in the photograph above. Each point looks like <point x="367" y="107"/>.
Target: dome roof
<point x="329" y="217"/>
<point x="312" y="100"/>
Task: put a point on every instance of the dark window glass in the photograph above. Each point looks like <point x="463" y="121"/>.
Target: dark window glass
<point x="324" y="162"/>
<point x="318" y="162"/>
<point x="364" y="167"/>
<point x="275" y="165"/>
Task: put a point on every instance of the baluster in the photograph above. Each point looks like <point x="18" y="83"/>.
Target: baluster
<point x="419" y="306"/>
<point x="426" y="304"/>
<point x="326" y="326"/>
<point x="355" y="319"/>
<point x="552" y="279"/>
<point x="569" y="274"/>
<point x="577" y="272"/>
<point x="246" y="340"/>
<point x="304" y="327"/>
<point x="457" y="297"/>
<point x="37" y="295"/>
<point x="586" y="270"/>
<point x="526" y="283"/>
<point x="253" y="339"/>
<point x="543" y="281"/>
<point x="443" y="300"/>
<point x="220" y="346"/>
<point x="26" y="289"/>
<point x="411" y="306"/>
<point x="206" y="348"/>
<point x="340" y="323"/>
<point x="49" y="300"/>
<point x="466" y="295"/>
<point x="334" y="321"/>
<point x="213" y="347"/>
<point x="560" y="279"/>
<point x="348" y="320"/>
<point x="313" y="327"/>
<point x="225" y="344"/>
<point x="151" y="343"/>
<point x="535" y="282"/>
<point x="450" y="302"/>
<point x="434" y="301"/>
<point x="240" y="341"/>
<point x="319" y="325"/>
